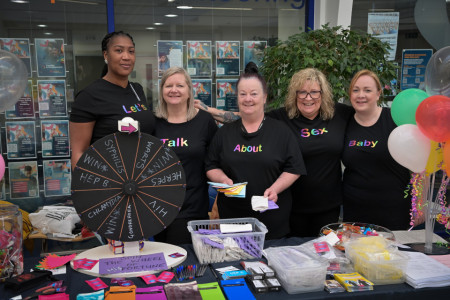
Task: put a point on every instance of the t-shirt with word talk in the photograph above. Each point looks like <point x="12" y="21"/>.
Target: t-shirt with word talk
<point x="190" y="141"/>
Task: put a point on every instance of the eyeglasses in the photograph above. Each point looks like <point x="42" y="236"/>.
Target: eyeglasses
<point x="313" y="94"/>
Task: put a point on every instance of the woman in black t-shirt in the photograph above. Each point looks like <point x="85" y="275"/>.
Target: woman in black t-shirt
<point x="188" y="132"/>
<point x="99" y="107"/>
<point x="260" y="151"/>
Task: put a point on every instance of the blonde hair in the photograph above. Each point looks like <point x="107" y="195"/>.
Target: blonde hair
<point x="369" y="73"/>
<point x="161" y="110"/>
<point x="326" y="110"/>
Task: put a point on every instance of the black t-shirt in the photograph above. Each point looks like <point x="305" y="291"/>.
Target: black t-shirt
<point x="258" y="158"/>
<point x="106" y="103"/>
<point x="190" y="141"/>
<point x="374" y="183"/>
<point x="321" y="143"/>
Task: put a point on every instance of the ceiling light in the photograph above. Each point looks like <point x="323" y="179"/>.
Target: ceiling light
<point x="42" y="25"/>
<point x="220" y="8"/>
<point x="170" y="0"/>
<point x="171" y="15"/>
<point x="158" y="24"/>
<point x="149" y="28"/>
<point x="48" y="33"/>
<point x="19" y="1"/>
<point x="184" y="7"/>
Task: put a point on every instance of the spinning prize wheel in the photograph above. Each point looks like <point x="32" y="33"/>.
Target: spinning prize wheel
<point x="128" y="187"/>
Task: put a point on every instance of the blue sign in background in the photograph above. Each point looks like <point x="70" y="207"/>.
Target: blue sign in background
<point x="414" y="64"/>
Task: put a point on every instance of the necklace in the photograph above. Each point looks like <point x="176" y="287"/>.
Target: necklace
<point x="260" y="125"/>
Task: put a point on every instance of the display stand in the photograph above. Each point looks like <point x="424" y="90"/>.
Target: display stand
<point x="149" y="248"/>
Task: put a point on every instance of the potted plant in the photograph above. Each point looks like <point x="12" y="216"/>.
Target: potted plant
<point x="339" y="53"/>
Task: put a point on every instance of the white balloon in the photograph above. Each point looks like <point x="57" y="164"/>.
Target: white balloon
<point x="13" y="79"/>
<point x="409" y="147"/>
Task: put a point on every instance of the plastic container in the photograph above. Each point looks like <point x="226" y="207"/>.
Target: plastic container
<point x="11" y="259"/>
<point x="213" y="246"/>
<point x="385" y="266"/>
<point x="298" y="270"/>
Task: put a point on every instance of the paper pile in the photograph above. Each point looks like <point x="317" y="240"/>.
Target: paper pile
<point x="235" y="190"/>
<point x="423" y="271"/>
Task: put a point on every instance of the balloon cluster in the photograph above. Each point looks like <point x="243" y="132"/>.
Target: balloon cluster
<point x="421" y="142"/>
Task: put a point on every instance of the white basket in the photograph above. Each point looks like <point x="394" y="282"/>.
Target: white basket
<point x="236" y="246"/>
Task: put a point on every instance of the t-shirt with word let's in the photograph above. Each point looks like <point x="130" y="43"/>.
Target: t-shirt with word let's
<point x="374" y="183"/>
<point x="190" y="141"/>
<point x="258" y="158"/>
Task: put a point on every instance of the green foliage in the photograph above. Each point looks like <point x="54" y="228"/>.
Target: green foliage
<point x="339" y="53"/>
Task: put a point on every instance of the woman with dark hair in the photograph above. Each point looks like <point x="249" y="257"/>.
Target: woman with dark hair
<point x="319" y="125"/>
<point x="99" y="106"/>
<point x="188" y="132"/>
<point x="260" y="151"/>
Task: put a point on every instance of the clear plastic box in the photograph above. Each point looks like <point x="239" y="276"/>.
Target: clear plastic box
<point x="298" y="270"/>
<point x="382" y="267"/>
<point x="236" y="246"/>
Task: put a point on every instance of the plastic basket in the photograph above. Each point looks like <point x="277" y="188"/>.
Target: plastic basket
<point x="218" y="247"/>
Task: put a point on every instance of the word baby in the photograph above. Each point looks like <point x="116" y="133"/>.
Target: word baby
<point x="364" y="143"/>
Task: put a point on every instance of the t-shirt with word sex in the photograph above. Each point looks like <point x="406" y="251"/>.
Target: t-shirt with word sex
<point x="321" y="142"/>
<point x="106" y="103"/>
<point x="258" y="158"/>
<point x="190" y="141"/>
<point x="374" y="183"/>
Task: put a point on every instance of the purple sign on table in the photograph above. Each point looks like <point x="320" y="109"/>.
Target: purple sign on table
<point x="130" y="264"/>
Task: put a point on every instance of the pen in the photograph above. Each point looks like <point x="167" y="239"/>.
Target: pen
<point x="212" y="270"/>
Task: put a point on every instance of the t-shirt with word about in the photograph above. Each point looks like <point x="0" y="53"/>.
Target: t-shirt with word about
<point x="374" y="183"/>
<point x="106" y="103"/>
<point x="258" y="158"/>
<point x="190" y="141"/>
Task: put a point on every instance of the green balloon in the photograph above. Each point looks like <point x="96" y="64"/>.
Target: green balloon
<point x="404" y="106"/>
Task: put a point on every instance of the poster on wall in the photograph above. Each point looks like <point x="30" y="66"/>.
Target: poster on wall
<point x="52" y="98"/>
<point x="50" y="57"/>
<point x="227" y="58"/>
<point x="384" y="26"/>
<point x="24" y="107"/>
<point x="202" y="90"/>
<point x="2" y="189"/>
<point x="254" y="51"/>
<point x="226" y="94"/>
<point x="199" y="58"/>
<point x="19" y="47"/>
<point x="170" y="54"/>
<point x="55" y="138"/>
<point x="20" y="139"/>
<point x="23" y="179"/>
<point x="57" y="177"/>
<point x="414" y="65"/>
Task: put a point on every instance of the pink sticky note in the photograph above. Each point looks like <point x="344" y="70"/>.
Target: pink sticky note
<point x="149" y="279"/>
<point x="165" y="277"/>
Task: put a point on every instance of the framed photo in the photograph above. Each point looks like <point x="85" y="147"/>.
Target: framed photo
<point x="254" y="51"/>
<point x="227" y="58"/>
<point x="23" y="179"/>
<point x="199" y="58"/>
<point x="52" y="98"/>
<point x="21" y="139"/>
<point x="57" y="177"/>
<point x="55" y="138"/>
<point x="202" y="90"/>
<point x="170" y="54"/>
<point x="50" y="57"/>
<point x="19" y="47"/>
<point x="24" y="107"/>
<point x="226" y="94"/>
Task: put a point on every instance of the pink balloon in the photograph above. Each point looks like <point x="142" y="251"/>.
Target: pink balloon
<point x="409" y="147"/>
<point x="2" y="167"/>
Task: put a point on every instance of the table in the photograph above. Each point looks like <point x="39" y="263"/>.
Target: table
<point x="75" y="282"/>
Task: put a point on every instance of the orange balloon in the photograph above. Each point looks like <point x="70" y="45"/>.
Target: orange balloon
<point x="446" y="166"/>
